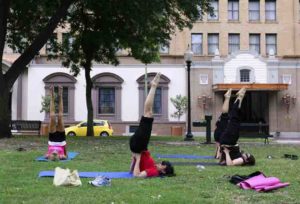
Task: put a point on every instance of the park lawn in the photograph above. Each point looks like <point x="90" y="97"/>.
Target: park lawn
<point x="19" y="182"/>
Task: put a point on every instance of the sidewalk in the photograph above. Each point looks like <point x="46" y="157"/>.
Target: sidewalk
<point x="287" y="140"/>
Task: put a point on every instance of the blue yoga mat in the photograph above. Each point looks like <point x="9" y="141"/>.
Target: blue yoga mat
<point x="71" y="155"/>
<point x="92" y="174"/>
<point x="183" y="156"/>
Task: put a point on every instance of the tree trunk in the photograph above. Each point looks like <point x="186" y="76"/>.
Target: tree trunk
<point x="88" y="95"/>
<point x="5" y="115"/>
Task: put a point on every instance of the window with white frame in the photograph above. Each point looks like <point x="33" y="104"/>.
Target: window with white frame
<point x="106" y="95"/>
<point x="51" y="44"/>
<point x="254" y="10"/>
<point x="201" y="13"/>
<point x="203" y="78"/>
<point x="233" y="10"/>
<point x="254" y="43"/>
<point x="67" y="39"/>
<point x="164" y="49"/>
<point x="270" y="10"/>
<point x="244" y="75"/>
<point x="106" y="100"/>
<point x="271" y="44"/>
<point x="287" y="79"/>
<point x="197" y="43"/>
<point x="212" y="43"/>
<point x="233" y="42"/>
<point x="215" y="5"/>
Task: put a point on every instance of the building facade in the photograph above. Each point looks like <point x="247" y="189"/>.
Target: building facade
<point x="252" y="43"/>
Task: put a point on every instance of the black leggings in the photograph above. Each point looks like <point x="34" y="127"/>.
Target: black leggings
<point x="221" y="125"/>
<point x="140" y="139"/>
<point x="231" y="134"/>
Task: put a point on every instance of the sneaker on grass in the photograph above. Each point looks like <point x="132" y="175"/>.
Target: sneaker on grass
<point x="100" y="181"/>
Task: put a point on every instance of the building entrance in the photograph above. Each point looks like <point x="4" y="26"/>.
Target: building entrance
<point x="254" y="111"/>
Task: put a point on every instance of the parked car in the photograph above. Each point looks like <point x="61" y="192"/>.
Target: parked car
<point x="101" y="128"/>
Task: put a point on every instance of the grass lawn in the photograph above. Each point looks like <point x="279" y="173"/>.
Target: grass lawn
<point x="19" y="182"/>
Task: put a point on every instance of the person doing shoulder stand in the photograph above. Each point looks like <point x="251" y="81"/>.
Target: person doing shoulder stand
<point x="143" y="165"/>
<point x="57" y="138"/>
<point x="228" y="133"/>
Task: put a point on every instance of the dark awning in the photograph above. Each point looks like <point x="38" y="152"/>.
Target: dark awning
<point x="251" y="87"/>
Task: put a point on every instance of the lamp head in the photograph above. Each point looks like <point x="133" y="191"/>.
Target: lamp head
<point x="188" y="55"/>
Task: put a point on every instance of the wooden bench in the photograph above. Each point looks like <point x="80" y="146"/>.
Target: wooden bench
<point x="25" y="127"/>
<point x="255" y="130"/>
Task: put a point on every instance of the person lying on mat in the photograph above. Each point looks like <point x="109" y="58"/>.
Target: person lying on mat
<point x="57" y="138"/>
<point x="228" y="130"/>
<point x="143" y="165"/>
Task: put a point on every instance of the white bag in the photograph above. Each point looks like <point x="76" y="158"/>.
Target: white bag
<point x="64" y="177"/>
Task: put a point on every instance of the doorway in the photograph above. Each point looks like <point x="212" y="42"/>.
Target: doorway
<point x="255" y="107"/>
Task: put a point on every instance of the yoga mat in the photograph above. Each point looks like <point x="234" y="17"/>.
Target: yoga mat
<point x="71" y="155"/>
<point x="92" y="174"/>
<point x="183" y="156"/>
<point x="195" y="163"/>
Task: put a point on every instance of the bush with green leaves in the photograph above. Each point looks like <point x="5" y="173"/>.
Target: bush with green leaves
<point x="180" y="103"/>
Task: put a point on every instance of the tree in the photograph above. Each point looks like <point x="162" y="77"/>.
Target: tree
<point x="100" y="28"/>
<point x="180" y="103"/>
<point x="25" y="26"/>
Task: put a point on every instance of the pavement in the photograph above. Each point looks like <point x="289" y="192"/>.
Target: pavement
<point x="287" y="140"/>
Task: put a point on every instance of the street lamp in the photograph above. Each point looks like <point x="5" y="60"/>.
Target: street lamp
<point x="188" y="55"/>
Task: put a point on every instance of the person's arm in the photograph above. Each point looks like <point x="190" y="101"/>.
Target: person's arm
<point x="136" y="171"/>
<point x="229" y="161"/>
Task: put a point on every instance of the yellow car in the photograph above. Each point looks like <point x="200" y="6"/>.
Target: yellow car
<point x="101" y="128"/>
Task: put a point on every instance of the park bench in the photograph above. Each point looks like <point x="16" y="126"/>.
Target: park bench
<point x="25" y="127"/>
<point x="250" y="130"/>
<point x="255" y="130"/>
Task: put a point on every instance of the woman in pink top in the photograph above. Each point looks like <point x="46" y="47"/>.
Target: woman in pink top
<point x="143" y="165"/>
<point x="57" y="138"/>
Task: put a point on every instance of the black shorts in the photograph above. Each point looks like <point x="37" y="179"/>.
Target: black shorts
<point x="57" y="136"/>
<point x="140" y="139"/>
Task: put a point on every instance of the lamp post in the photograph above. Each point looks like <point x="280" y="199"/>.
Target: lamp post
<point x="188" y="55"/>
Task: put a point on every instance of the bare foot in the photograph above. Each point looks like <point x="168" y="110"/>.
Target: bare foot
<point x="241" y="92"/>
<point x="228" y="93"/>
<point x="155" y="80"/>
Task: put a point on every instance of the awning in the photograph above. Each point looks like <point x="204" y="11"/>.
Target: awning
<point x="251" y="87"/>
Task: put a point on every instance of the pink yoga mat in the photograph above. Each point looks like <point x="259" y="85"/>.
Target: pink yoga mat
<point x="262" y="183"/>
<point x="279" y="185"/>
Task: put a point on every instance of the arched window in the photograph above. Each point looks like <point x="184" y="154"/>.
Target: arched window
<point x="160" y="106"/>
<point x="106" y="96"/>
<point x="68" y="83"/>
<point x="244" y="75"/>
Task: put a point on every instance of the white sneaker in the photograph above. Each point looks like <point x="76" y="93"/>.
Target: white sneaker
<point x="101" y="181"/>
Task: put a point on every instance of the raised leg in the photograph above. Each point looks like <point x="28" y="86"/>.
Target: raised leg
<point x="148" y="112"/>
<point x="140" y="139"/>
<point x="60" y="125"/>
<point x="52" y="124"/>
<point x="225" y="107"/>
